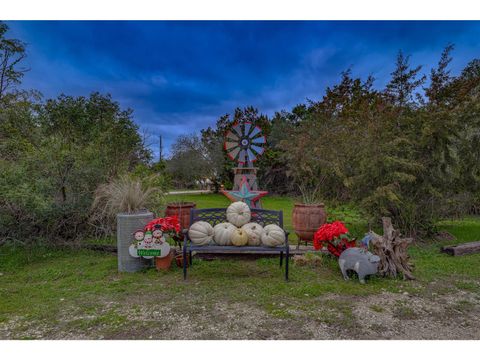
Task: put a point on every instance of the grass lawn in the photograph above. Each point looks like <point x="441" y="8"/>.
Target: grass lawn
<point x="48" y="293"/>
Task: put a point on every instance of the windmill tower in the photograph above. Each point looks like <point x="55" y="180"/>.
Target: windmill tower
<point x="244" y="143"/>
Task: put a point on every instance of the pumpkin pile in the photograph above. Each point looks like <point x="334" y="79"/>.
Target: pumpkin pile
<point x="238" y="231"/>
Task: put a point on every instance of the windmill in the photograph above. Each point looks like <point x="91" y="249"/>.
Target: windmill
<point x="244" y="143"/>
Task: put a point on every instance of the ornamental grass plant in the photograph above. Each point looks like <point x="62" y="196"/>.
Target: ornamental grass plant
<point x="123" y="195"/>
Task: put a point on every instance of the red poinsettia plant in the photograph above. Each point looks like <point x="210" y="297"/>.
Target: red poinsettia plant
<point x="169" y="225"/>
<point x="335" y="236"/>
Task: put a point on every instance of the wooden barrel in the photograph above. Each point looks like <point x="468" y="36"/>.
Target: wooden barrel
<point x="182" y="210"/>
<point x="307" y="219"/>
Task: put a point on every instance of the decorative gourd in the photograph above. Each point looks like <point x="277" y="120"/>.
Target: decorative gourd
<point x="239" y="237"/>
<point x="254" y="232"/>
<point x="201" y="233"/>
<point x="238" y="213"/>
<point x="273" y="235"/>
<point x="222" y="233"/>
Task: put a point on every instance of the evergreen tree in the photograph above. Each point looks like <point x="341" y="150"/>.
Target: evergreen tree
<point x="405" y="80"/>
<point x="12" y="53"/>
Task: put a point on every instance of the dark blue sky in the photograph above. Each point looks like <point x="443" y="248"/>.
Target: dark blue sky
<point x="179" y="77"/>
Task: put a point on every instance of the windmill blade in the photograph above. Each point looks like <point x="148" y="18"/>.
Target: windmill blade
<point x="230" y="145"/>
<point x="256" y="130"/>
<point x="256" y="136"/>
<point x="248" y="126"/>
<point x="237" y="129"/>
<point x="242" y="156"/>
<point x="231" y="136"/>
<point x="259" y="141"/>
<point x="259" y="150"/>
<point x="251" y="156"/>
<point x="233" y="153"/>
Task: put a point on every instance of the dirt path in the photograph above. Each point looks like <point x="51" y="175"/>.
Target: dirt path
<point x="383" y="316"/>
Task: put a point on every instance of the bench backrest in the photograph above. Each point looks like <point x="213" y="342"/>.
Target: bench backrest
<point x="216" y="216"/>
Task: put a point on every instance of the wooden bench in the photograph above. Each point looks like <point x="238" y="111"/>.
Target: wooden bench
<point x="216" y="216"/>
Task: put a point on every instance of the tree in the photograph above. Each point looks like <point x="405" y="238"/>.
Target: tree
<point x="404" y="81"/>
<point x="196" y="158"/>
<point x="93" y="131"/>
<point x="440" y="77"/>
<point x="464" y="93"/>
<point x="188" y="160"/>
<point x="379" y="149"/>
<point x="12" y="52"/>
<point x="73" y="144"/>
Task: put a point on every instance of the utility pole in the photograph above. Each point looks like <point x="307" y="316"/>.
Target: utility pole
<point x="160" y="155"/>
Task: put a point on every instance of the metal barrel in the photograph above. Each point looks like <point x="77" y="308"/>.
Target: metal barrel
<point x="127" y="224"/>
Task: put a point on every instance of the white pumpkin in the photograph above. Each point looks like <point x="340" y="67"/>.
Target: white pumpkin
<point x="239" y="237"/>
<point x="254" y="232"/>
<point x="273" y="235"/>
<point x="222" y="233"/>
<point x="238" y="213"/>
<point x="201" y="233"/>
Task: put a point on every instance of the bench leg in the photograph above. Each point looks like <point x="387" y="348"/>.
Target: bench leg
<point x="281" y="258"/>
<point x="190" y="258"/>
<point x="184" y="263"/>
<point x="286" y="262"/>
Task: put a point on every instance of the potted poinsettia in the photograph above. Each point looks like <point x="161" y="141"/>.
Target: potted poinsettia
<point x="172" y="226"/>
<point x="334" y="236"/>
<point x="161" y="228"/>
<point x="169" y="225"/>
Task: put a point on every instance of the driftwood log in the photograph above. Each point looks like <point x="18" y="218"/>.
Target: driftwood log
<point x="462" y="249"/>
<point x="392" y="250"/>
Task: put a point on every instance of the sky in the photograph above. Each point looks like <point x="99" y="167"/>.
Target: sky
<point x="181" y="76"/>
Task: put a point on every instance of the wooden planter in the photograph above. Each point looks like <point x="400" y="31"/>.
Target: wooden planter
<point x="307" y="219"/>
<point x="182" y="211"/>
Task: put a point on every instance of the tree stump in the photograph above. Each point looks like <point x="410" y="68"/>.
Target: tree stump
<point x="392" y="250"/>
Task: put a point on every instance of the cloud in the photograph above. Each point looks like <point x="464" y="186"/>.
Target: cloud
<point x="180" y="76"/>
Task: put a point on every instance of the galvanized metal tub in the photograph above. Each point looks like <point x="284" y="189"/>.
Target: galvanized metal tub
<point x="127" y="224"/>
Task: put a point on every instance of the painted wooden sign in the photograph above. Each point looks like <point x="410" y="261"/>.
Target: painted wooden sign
<point x="149" y="244"/>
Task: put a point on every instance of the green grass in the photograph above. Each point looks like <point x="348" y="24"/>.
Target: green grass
<point x="53" y="283"/>
<point x="432" y="264"/>
<point x="464" y="230"/>
<point x="69" y="289"/>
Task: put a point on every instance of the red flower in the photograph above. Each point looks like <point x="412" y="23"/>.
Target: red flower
<point x="330" y="233"/>
<point x="169" y="224"/>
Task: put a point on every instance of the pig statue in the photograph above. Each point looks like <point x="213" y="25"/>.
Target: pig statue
<point x="360" y="260"/>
